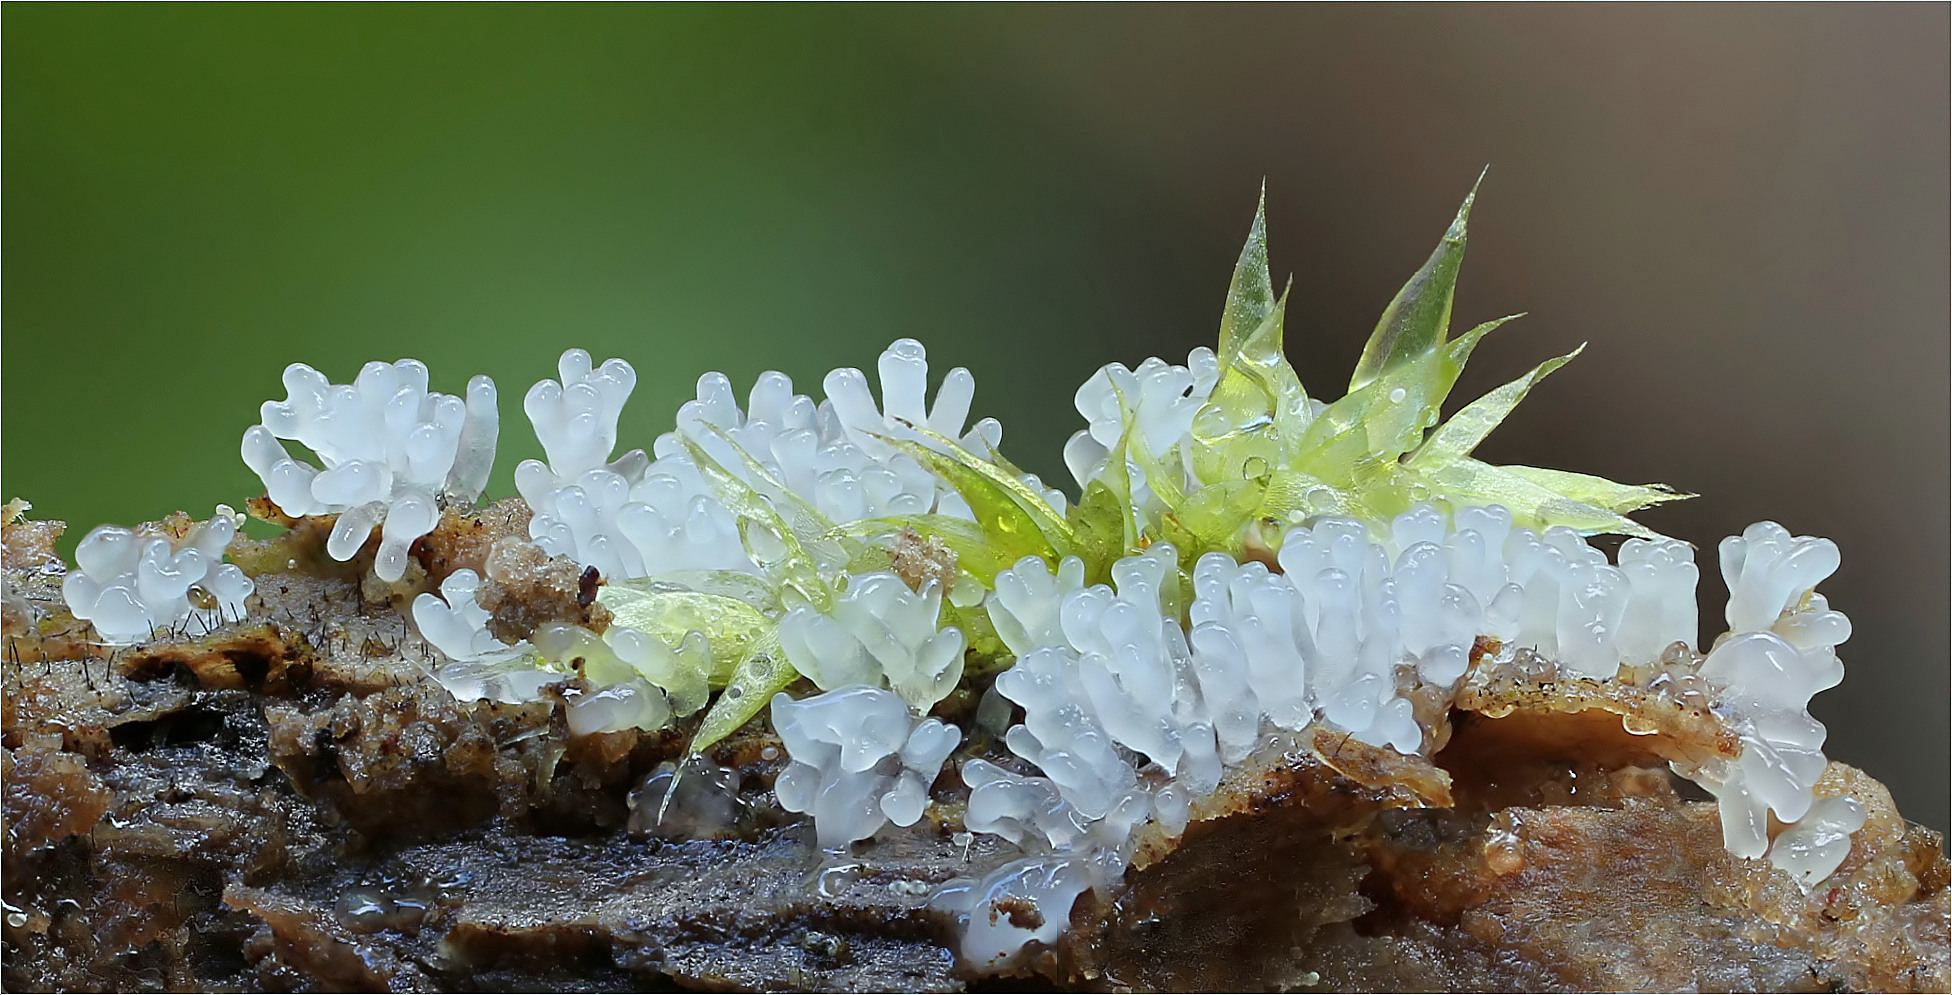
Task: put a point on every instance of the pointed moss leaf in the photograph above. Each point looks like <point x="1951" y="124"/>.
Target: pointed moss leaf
<point x="812" y="529"/>
<point x="950" y="461"/>
<point x="1102" y="522"/>
<point x="728" y="624"/>
<point x="1258" y="409"/>
<point x="1387" y="417"/>
<point x="1472" y="482"/>
<point x="992" y="454"/>
<point x="735" y="584"/>
<point x="1291" y="496"/>
<point x="767" y="538"/>
<point x="869" y="557"/>
<point x="1599" y="491"/>
<point x="1388" y="489"/>
<point x="1181" y="537"/>
<point x="1418" y="319"/>
<point x="1119" y="488"/>
<point x="1098" y="517"/>
<point x="1250" y="295"/>
<point x="979" y="553"/>
<point x="1384" y="491"/>
<point x="1456" y="437"/>
<point x="1007" y="532"/>
<point x="1214" y="517"/>
<point x="1165" y="482"/>
<point x="759" y="675"/>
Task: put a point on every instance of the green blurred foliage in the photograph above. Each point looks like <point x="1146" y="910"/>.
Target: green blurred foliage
<point x="197" y="196"/>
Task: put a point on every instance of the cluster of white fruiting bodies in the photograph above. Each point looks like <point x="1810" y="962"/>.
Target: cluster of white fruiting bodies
<point x="1781" y="648"/>
<point x="393" y="453"/>
<point x="134" y="585"/>
<point x="860" y="759"/>
<point x="636" y="518"/>
<point x="1135" y="702"/>
<point x="1133" y="709"/>
<point x="641" y="517"/>
<point x="1164" y="400"/>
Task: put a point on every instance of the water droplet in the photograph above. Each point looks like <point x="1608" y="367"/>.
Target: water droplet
<point x="833" y="882"/>
<point x="1211" y="423"/>
<point x="1396" y="396"/>
<point x="703" y="804"/>
<point x="1679" y="659"/>
<point x="363" y="910"/>
<point x="16" y="919"/>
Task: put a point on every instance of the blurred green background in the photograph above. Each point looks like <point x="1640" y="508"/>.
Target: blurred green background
<point x="1743" y="209"/>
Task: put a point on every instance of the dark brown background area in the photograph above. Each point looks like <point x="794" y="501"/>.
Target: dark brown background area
<point x="1743" y="210"/>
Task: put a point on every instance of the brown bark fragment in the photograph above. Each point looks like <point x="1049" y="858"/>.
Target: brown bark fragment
<point x="526" y="589"/>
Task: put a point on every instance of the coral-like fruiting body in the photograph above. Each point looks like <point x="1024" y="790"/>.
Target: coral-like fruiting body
<point x="132" y="584"/>
<point x="860" y="758"/>
<point x="393" y="452"/>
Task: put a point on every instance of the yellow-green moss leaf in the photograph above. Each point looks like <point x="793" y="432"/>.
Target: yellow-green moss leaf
<point x="812" y="531"/>
<point x="1459" y="435"/>
<point x="1213" y="517"/>
<point x="1418" y="318"/>
<point x="977" y="552"/>
<point x="1102" y="520"/>
<point x="977" y="479"/>
<point x="768" y="538"/>
<point x="728" y="624"/>
<point x="1250" y="295"/>
<point x="759" y="675"/>
<point x="1387" y="417"/>
<point x="1291" y="495"/>
<point x="1599" y="491"/>
<point x="1471" y="482"/>
<point x="1258" y="410"/>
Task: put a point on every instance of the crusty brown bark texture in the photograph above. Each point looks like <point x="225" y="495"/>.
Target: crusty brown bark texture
<point x="290" y="802"/>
